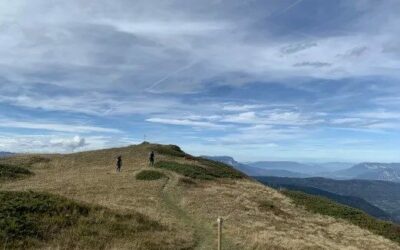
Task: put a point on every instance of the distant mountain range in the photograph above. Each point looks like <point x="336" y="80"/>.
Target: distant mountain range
<point x="333" y="166"/>
<point x="371" y="171"/>
<point x="5" y="154"/>
<point x="382" y="194"/>
<point x="288" y="166"/>
<point x="255" y="171"/>
<point x="333" y="170"/>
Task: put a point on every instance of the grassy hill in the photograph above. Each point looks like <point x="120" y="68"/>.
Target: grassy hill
<point x="80" y="201"/>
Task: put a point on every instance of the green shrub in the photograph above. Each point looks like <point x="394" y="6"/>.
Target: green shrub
<point x="149" y="175"/>
<point x="209" y="172"/>
<point x="357" y="217"/>
<point x="191" y="171"/>
<point x="171" y="150"/>
<point x="29" y="220"/>
<point x="220" y="169"/>
<point x="12" y="172"/>
<point x="212" y="169"/>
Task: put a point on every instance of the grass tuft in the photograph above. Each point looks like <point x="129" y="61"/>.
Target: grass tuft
<point x="149" y="175"/>
<point x="355" y="216"/>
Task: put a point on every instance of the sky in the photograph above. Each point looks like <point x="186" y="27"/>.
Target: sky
<point x="304" y="80"/>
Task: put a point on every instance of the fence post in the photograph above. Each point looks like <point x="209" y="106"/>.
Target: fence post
<point x="219" y="221"/>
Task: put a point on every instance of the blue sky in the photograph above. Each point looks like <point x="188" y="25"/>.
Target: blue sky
<point x="303" y="80"/>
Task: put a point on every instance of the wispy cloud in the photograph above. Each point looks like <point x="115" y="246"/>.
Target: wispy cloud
<point x="185" y="122"/>
<point x="312" y="64"/>
<point x="69" y="143"/>
<point x="294" y="48"/>
<point x="60" y="127"/>
<point x="250" y="74"/>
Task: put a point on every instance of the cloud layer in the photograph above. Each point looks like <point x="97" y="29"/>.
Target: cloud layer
<point x="259" y="78"/>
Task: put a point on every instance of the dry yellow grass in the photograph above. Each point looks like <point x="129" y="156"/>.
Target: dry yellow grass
<point x="189" y="211"/>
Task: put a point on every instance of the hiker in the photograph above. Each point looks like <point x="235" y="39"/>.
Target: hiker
<point x="151" y="158"/>
<point x="119" y="163"/>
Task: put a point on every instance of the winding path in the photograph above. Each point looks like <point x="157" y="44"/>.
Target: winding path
<point x="203" y="234"/>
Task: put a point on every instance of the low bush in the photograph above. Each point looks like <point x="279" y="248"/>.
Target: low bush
<point x="191" y="171"/>
<point x="171" y="150"/>
<point x="209" y="172"/>
<point x="220" y="169"/>
<point x="12" y="172"/>
<point x="149" y="175"/>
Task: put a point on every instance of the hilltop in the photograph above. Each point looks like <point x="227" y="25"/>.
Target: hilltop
<point x="79" y="201"/>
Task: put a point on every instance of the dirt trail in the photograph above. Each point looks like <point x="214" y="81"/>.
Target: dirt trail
<point x="203" y="234"/>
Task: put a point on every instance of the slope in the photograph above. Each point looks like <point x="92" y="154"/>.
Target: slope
<point x="351" y="201"/>
<point x="185" y="203"/>
<point x="383" y="194"/>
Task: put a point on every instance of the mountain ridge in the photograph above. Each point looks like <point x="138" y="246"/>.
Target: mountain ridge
<point x="372" y="171"/>
<point x="254" y="171"/>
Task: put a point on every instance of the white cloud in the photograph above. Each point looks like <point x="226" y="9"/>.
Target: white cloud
<point x="166" y="60"/>
<point x="185" y="122"/>
<point x="92" y="104"/>
<point x="63" y="143"/>
<point x="273" y="117"/>
<point x="72" y="144"/>
<point x="383" y="126"/>
<point x="87" y="46"/>
<point x="346" y="120"/>
<point x="60" y="127"/>
<point x="262" y="135"/>
<point x="166" y="28"/>
<point x="245" y="117"/>
<point x="241" y="108"/>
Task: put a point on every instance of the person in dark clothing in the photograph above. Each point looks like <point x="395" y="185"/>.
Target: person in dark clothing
<point x="119" y="163"/>
<point x="151" y="158"/>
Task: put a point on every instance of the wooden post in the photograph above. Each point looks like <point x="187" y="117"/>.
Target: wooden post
<point x="219" y="221"/>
